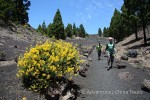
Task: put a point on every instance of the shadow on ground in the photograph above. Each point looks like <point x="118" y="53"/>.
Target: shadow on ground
<point x="132" y="41"/>
<point x="139" y="46"/>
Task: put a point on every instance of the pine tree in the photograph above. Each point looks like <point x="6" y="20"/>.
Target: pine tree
<point x="14" y="10"/>
<point x="6" y="10"/>
<point x="74" y="31"/>
<point x="99" y="32"/>
<point x="126" y="23"/>
<point x="49" y="30"/>
<point x="43" y="28"/>
<point x="106" y="32"/>
<point x="68" y="30"/>
<point x="130" y="22"/>
<point x="77" y="31"/>
<point x="139" y="8"/>
<point x="58" y="26"/>
<point x="39" y="29"/>
<point x="21" y="10"/>
<point x="116" y="27"/>
<point x="82" y="32"/>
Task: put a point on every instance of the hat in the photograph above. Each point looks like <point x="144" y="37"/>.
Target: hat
<point x="110" y="38"/>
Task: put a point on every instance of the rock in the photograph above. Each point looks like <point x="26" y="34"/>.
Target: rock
<point x="24" y="98"/>
<point x="82" y="71"/>
<point x="67" y="96"/>
<point x="15" y="46"/>
<point x="87" y="64"/>
<point x="3" y="41"/>
<point x="132" y="53"/>
<point x="2" y="56"/>
<point x="124" y="57"/>
<point x="16" y="59"/>
<point x="147" y="52"/>
<point x="89" y="59"/>
<point x="119" y="66"/>
<point x="1" y="44"/>
<point x="86" y="54"/>
<point x="83" y="74"/>
<point x="117" y="61"/>
<point x="85" y="51"/>
<point x="146" y="85"/>
<point x="125" y="76"/>
<point x="136" y="61"/>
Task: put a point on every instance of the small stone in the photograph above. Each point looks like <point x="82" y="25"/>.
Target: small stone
<point x="87" y="64"/>
<point x="125" y="76"/>
<point x="83" y="74"/>
<point x="15" y="46"/>
<point x="1" y="44"/>
<point x="67" y="96"/>
<point x="146" y="85"/>
<point x="136" y="61"/>
<point x="16" y="59"/>
<point x="132" y="53"/>
<point x="86" y="54"/>
<point x="89" y="59"/>
<point x="124" y="57"/>
<point x="119" y="66"/>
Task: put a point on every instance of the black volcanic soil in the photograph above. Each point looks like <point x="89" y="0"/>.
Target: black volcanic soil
<point x="98" y="78"/>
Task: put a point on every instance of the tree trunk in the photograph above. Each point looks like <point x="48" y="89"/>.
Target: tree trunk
<point x="147" y="30"/>
<point x="136" y="36"/>
<point x="145" y="41"/>
<point x="144" y="27"/>
<point x="136" y="33"/>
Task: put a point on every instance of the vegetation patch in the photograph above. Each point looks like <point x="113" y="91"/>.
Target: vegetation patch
<point x="45" y="63"/>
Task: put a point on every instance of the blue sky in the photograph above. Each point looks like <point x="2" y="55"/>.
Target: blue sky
<point x="93" y="14"/>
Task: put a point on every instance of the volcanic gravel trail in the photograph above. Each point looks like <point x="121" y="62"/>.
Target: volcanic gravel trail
<point x="101" y="84"/>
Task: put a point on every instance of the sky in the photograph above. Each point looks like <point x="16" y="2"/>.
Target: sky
<point x="93" y="14"/>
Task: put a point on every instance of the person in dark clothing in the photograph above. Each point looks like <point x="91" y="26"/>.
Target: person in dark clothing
<point x="98" y="48"/>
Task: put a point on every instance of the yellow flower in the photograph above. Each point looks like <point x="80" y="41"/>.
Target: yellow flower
<point x="60" y="75"/>
<point x="27" y="73"/>
<point x="44" y="74"/>
<point x="42" y="69"/>
<point x="17" y="75"/>
<point x="34" y="73"/>
<point x="59" y="56"/>
<point x="48" y="76"/>
<point x="24" y="98"/>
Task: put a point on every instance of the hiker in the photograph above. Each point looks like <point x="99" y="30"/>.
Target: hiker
<point x="110" y="50"/>
<point x="98" y="48"/>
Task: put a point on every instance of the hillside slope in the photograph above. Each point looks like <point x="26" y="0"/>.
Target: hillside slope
<point x="143" y="57"/>
<point x="13" y="42"/>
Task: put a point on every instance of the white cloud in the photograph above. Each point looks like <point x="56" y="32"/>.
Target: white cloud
<point x="93" y="9"/>
<point x="81" y="17"/>
<point x="97" y="3"/>
<point x="109" y="4"/>
<point x="89" y="16"/>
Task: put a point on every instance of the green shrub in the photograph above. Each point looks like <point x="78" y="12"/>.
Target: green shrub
<point x="41" y="65"/>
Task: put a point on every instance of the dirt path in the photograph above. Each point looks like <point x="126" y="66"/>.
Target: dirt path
<point x="115" y="84"/>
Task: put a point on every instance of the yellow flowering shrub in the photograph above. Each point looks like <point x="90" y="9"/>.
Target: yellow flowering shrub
<point x="40" y="65"/>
